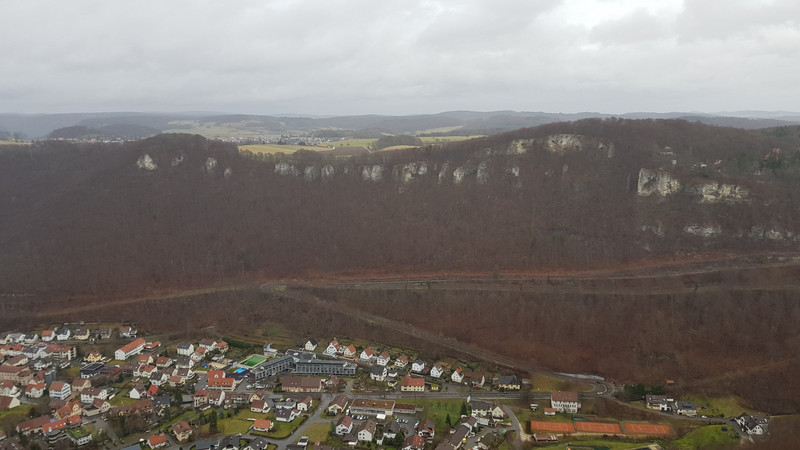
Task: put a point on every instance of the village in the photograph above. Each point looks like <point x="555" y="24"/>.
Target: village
<point x="58" y="389"/>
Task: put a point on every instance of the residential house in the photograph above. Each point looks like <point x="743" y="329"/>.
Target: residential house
<point x="372" y="407"/>
<point x="17" y="375"/>
<point x="457" y="376"/>
<point x="130" y="349"/>
<point x="565" y="402"/>
<point x="150" y="346"/>
<point x="350" y="351"/>
<point x="101" y="405"/>
<point x="63" y="334"/>
<point x="286" y="415"/>
<point x="60" y="390"/>
<point x="79" y="384"/>
<point x="367" y="355"/>
<point x="182" y="430"/>
<point x="378" y="373"/>
<point x="81" y="334"/>
<point x="414" y="442"/>
<point x="418" y="366"/>
<point x="259" y="406"/>
<point x="163" y="362"/>
<point x="93" y="356"/>
<point x="509" y="383"/>
<point x="147" y="359"/>
<point x="383" y="359"/>
<point x="158" y="440"/>
<point x="34" y="390"/>
<point x="69" y="410"/>
<point x="401" y="362"/>
<point x="366" y="431"/>
<point x="753" y="424"/>
<point x="20" y="360"/>
<point x="229" y="442"/>
<point x="334" y="349"/>
<point x="218" y="380"/>
<point x="152" y="391"/>
<point x="127" y="332"/>
<point x="685" y="408"/>
<point x="92" y="369"/>
<point x="344" y="426"/>
<point x="305" y="404"/>
<point x="412" y="384"/>
<point x="185" y="349"/>
<point x="208" y="344"/>
<point x="301" y="384"/>
<point x="8" y="402"/>
<point x="658" y="402"/>
<point x="90" y="394"/>
<point x="269" y="351"/>
<point x="8" y="389"/>
<point x="48" y="335"/>
<point x="311" y="345"/>
<point x="258" y="443"/>
<point x="338" y="404"/>
<point x="200" y="398"/>
<point x="437" y="370"/>
<point x="223" y="346"/>
<point x="216" y="398"/>
<point x="138" y="391"/>
<point x="79" y="436"/>
<point x="262" y="425"/>
<point x="392" y="429"/>
<point x="426" y="429"/>
<point x="145" y="371"/>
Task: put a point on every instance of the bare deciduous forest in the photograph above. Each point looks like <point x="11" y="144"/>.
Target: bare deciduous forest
<point x="85" y="224"/>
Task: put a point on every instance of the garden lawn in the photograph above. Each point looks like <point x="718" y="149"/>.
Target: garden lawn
<point x="707" y="437"/>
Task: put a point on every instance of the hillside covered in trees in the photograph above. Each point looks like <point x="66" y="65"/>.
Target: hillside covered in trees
<point x="179" y="211"/>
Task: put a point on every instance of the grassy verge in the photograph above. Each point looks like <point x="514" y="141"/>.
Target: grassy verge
<point x="438" y="409"/>
<point x="317" y="432"/>
<point x="730" y="406"/>
<point x="710" y="436"/>
<point x="544" y="383"/>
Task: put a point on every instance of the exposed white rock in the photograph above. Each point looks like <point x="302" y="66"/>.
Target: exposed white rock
<point x="211" y="164"/>
<point x="176" y="161"/>
<point x="443" y="172"/>
<point x="774" y="235"/>
<point x="284" y="168"/>
<point x="408" y="172"/>
<point x="704" y="231"/>
<point x="658" y="229"/>
<point x="146" y="162"/>
<point x="519" y="146"/>
<point x="606" y="147"/>
<point x="483" y="172"/>
<point x="513" y="170"/>
<point x="311" y="173"/>
<point x="228" y="173"/>
<point x="659" y="183"/>
<point x="372" y="173"/>
<point x="562" y="143"/>
<point x="328" y="172"/>
<point x="721" y="193"/>
<point x="458" y="175"/>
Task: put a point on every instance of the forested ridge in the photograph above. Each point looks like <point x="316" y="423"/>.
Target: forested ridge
<point x="94" y="219"/>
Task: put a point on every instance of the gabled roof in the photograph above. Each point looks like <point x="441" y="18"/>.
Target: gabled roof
<point x="564" y="396"/>
<point x="158" y="439"/>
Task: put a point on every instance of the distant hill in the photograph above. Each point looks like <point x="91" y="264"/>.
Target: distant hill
<point x="122" y="131"/>
<point x="452" y="122"/>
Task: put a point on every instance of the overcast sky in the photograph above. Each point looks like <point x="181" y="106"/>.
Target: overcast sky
<point x="399" y="57"/>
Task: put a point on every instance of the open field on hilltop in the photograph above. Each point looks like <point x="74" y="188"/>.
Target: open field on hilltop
<point x="442" y="139"/>
<point x="353" y="142"/>
<point x="277" y="148"/>
<point x="214" y="130"/>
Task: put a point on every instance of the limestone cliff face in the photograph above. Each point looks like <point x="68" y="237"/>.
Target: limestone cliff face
<point x="657" y="183"/>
